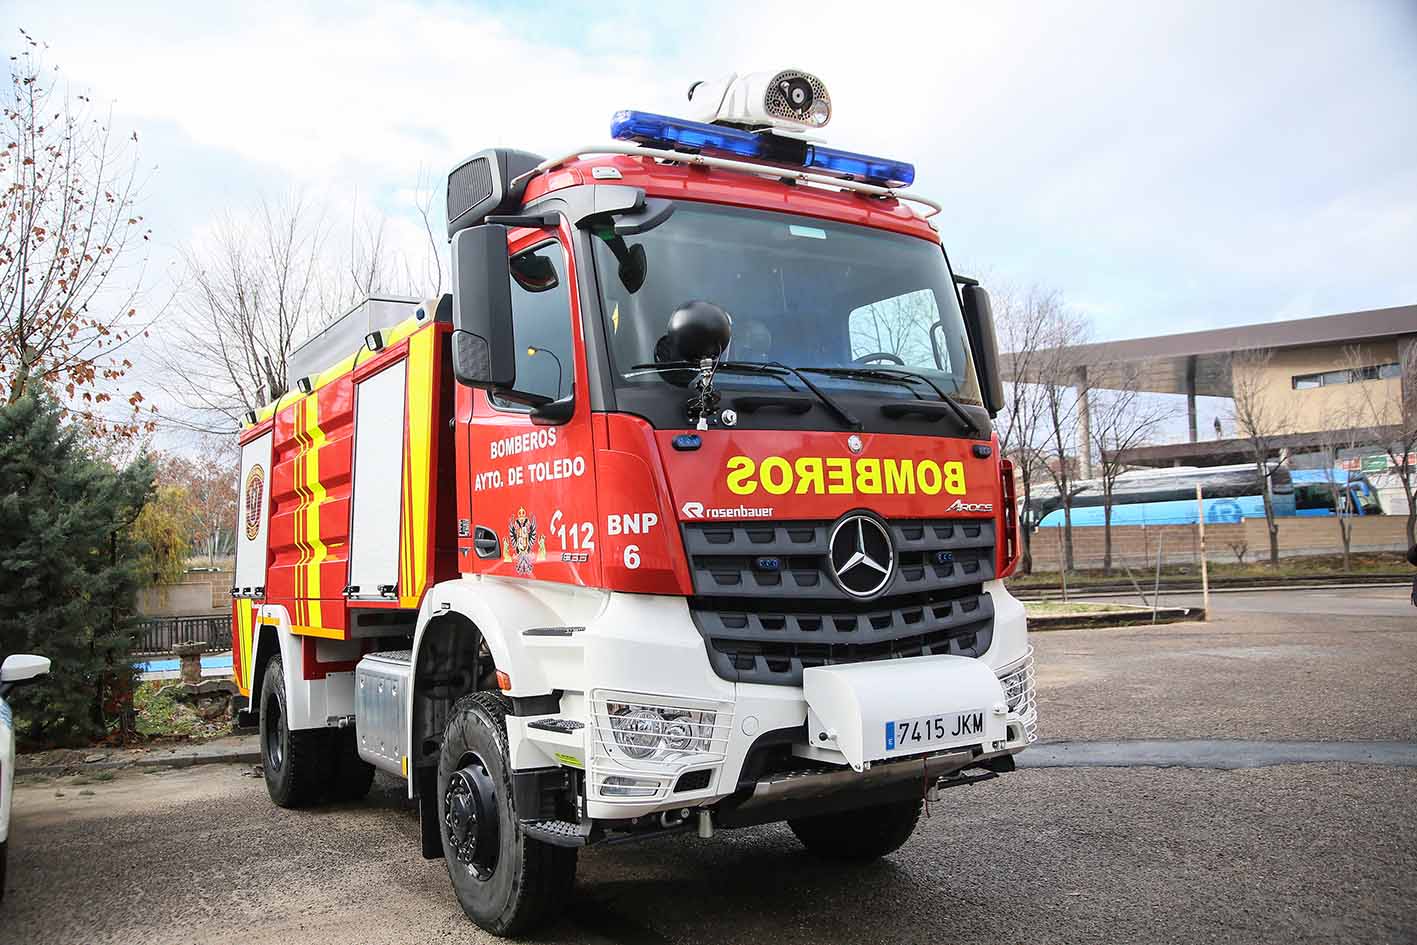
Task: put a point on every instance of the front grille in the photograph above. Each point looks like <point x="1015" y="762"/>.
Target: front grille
<point x="768" y="608"/>
<point x="727" y="559"/>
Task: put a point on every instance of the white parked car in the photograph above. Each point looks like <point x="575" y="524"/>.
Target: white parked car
<point x="16" y="670"/>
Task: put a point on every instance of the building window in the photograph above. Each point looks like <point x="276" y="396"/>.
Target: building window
<point x="1371" y="372"/>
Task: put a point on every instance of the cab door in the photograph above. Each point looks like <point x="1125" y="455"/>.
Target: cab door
<point x="533" y="480"/>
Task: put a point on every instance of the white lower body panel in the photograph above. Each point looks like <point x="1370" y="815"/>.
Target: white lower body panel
<point x="644" y="655"/>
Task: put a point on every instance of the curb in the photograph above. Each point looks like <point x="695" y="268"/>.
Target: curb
<point x="1126" y="618"/>
<point x="1185" y="587"/>
<point x="233" y="755"/>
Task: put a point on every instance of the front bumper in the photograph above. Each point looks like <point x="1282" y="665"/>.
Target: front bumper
<point x="646" y="650"/>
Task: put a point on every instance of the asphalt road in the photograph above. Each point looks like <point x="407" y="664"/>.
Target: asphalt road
<point x="1249" y="848"/>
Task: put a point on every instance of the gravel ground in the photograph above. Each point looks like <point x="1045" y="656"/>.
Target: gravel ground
<point x="1291" y="853"/>
<point x="1316" y="677"/>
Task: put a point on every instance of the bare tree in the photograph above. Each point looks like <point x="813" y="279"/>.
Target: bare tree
<point x="1065" y="396"/>
<point x="1021" y="320"/>
<point x="432" y="276"/>
<point x="68" y="228"/>
<point x="263" y="283"/>
<point x="1122" y="418"/>
<point x="1338" y="436"/>
<point x="1393" y="426"/>
<point x="256" y="292"/>
<point x="1261" y="422"/>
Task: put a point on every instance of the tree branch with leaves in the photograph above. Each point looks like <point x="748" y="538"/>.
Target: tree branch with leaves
<point x="69" y="229"/>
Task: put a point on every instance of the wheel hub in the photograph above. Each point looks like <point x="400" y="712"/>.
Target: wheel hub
<point x="275" y="734"/>
<point x="470" y="818"/>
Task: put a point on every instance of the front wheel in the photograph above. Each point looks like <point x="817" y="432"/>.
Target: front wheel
<point x="506" y="882"/>
<point x="865" y="834"/>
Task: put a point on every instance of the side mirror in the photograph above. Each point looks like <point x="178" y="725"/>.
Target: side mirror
<point x="484" y="346"/>
<point x="21" y="668"/>
<point x="979" y="323"/>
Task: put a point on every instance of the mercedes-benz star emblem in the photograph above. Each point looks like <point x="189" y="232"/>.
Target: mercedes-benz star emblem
<point x="862" y="555"/>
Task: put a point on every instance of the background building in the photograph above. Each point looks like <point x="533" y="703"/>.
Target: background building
<point x="1311" y="378"/>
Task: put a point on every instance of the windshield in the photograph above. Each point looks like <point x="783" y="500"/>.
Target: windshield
<point x="813" y="294"/>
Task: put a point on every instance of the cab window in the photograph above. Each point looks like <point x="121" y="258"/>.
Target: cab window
<point x="541" y="318"/>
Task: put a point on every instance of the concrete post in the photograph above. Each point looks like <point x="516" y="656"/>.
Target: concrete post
<point x="1407" y="364"/>
<point x="1191" y="396"/>
<point x="189" y="658"/>
<point x="1084" y="425"/>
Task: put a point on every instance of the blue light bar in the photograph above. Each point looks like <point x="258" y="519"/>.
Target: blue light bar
<point x="861" y="166"/>
<point x="663" y="131"/>
<point x="681" y="134"/>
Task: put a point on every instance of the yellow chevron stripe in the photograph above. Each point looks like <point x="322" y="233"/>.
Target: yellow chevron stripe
<point x="417" y="462"/>
<point x="317" y="632"/>
<point x="243" y="643"/>
<point x="318" y="553"/>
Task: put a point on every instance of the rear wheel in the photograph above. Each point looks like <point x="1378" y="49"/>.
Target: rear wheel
<point x="294" y="762"/>
<point x="506" y="882"/>
<point x="864" y="834"/>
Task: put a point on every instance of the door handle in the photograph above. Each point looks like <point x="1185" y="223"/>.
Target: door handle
<point x="484" y="541"/>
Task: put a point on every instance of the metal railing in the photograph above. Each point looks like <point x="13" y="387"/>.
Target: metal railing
<point x="159" y="635"/>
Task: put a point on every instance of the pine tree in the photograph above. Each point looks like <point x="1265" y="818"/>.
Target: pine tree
<point x="69" y="569"/>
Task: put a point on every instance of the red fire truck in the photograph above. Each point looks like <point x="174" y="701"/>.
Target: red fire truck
<point x="683" y="512"/>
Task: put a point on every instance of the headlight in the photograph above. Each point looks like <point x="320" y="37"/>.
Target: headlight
<point x="641" y="743"/>
<point x="658" y="732"/>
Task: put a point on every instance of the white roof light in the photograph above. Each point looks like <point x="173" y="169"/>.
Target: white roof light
<point x="790" y="101"/>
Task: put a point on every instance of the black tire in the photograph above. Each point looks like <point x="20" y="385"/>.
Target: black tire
<point x="295" y="763"/>
<point x="349" y="776"/>
<point x="865" y="834"/>
<point x="514" y="884"/>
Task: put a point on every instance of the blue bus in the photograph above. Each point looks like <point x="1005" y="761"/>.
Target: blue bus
<point x="1314" y="493"/>
<point x="1168" y="497"/>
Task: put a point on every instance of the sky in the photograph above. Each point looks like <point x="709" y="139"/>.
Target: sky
<point x="1164" y="166"/>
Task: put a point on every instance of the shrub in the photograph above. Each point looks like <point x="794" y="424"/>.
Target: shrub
<point x="69" y="569"/>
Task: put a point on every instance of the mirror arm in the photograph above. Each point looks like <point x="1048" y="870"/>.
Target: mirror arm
<point x="556" y="412"/>
<point x="523" y="397"/>
<point x="546" y="221"/>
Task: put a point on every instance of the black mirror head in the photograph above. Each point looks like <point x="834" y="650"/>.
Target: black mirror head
<point x="699" y="330"/>
<point x="979" y="323"/>
<point x="484" y="343"/>
<point x="633" y="268"/>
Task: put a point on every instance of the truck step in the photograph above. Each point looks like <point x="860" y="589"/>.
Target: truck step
<point x="564" y="726"/>
<point x="558" y="833"/>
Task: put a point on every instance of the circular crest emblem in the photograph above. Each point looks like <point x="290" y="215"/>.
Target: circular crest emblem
<point x="862" y="555"/>
<point x="251" y="494"/>
<point x="853" y="443"/>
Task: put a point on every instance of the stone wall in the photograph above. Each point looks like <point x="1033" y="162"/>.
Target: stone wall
<point x="200" y="592"/>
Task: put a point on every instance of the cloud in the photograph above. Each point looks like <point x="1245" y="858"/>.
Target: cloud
<point x="1176" y="166"/>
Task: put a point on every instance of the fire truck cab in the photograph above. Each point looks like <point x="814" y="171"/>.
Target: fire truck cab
<point x="683" y="512"/>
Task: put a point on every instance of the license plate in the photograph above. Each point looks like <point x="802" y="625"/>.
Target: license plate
<point x="929" y="731"/>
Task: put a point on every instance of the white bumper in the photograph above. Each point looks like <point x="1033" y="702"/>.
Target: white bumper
<point x="646" y="651"/>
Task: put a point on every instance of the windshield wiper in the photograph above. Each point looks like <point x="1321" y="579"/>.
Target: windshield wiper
<point x="771" y="369"/>
<point x="880" y="373"/>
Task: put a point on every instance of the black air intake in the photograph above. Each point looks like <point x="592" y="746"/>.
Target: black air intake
<point x="481" y="185"/>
